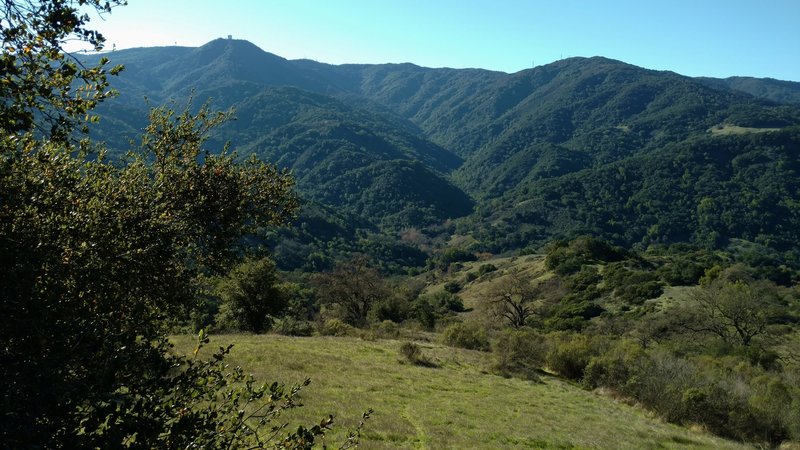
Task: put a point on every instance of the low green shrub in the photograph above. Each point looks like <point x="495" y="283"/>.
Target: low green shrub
<point x="412" y="353"/>
<point x="290" y="326"/>
<point x="465" y="336"/>
<point x="569" y="354"/>
<point x="386" y="330"/>
<point x="452" y="287"/>
<point x="521" y="352"/>
<point x="336" y="327"/>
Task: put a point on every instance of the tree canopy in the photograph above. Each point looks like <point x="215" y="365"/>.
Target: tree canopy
<point x="96" y="258"/>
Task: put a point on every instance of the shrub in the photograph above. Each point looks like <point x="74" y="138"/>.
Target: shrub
<point x="413" y="354"/>
<point x="336" y="327"/>
<point x="569" y="354"/>
<point x="424" y="313"/>
<point x="392" y="308"/>
<point x="616" y="367"/>
<point x="386" y="330"/>
<point x="681" y="272"/>
<point x="290" y="326"/>
<point x="519" y="352"/>
<point x="486" y="268"/>
<point x="452" y="287"/>
<point x="465" y="336"/>
<point x="636" y="294"/>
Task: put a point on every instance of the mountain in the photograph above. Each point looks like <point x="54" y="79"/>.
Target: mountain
<point x="371" y="164"/>
<point x="582" y="145"/>
<point x="777" y="91"/>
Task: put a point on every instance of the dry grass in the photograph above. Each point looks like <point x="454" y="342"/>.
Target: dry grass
<point x="726" y="130"/>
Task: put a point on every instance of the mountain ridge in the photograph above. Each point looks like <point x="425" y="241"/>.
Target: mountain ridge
<point x="504" y="140"/>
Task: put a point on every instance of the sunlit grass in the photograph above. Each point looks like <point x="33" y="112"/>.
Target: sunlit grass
<point x="459" y="404"/>
<point x="725" y="129"/>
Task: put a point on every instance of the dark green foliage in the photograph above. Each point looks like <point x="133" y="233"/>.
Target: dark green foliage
<point x="573" y="311"/>
<point x="450" y="256"/>
<point x="565" y="258"/>
<point x="452" y="287"/>
<point x="580" y="146"/>
<point x="251" y="296"/>
<point x="486" y="268"/>
<point x="681" y="272"/>
<point x="351" y="290"/>
<point x="429" y="309"/>
<point x="97" y="256"/>
<point x="630" y="285"/>
<point x="97" y="259"/>
<point x="425" y="313"/>
<point x="708" y="190"/>
<point x="778" y="91"/>
<point x="392" y="308"/>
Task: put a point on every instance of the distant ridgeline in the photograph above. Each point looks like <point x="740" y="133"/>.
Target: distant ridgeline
<point x="579" y="146"/>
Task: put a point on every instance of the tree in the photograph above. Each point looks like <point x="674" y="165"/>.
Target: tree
<point x="251" y="295"/>
<point x="736" y="311"/>
<point x="512" y="300"/>
<point x="96" y="257"/>
<point x="42" y="88"/>
<point x="351" y="288"/>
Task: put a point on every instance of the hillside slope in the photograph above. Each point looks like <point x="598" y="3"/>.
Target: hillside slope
<point x="582" y="145"/>
<point x="457" y="405"/>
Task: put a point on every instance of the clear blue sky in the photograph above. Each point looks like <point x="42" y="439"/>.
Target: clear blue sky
<point x="716" y="38"/>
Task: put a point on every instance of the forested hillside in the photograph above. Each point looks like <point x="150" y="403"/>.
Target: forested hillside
<point x="572" y="239"/>
<point x="582" y="145"/>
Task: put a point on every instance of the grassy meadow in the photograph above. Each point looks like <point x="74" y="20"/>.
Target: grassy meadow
<point x="457" y="404"/>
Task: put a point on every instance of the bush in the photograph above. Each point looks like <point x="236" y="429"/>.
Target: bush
<point x="464" y="336"/>
<point x="486" y="268"/>
<point x="569" y="355"/>
<point x="412" y="353"/>
<point x="681" y="272"/>
<point x="386" y="330"/>
<point x="250" y="296"/>
<point x="636" y="294"/>
<point x="392" y="308"/>
<point x="452" y="287"/>
<point x="519" y="352"/>
<point x="290" y="326"/>
<point x="424" y="313"/>
<point x="616" y="367"/>
<point x="336" y="327"/>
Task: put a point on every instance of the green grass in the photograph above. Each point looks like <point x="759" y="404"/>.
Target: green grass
<point x="458" y="404"/>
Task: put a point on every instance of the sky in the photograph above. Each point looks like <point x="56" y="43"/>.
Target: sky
<point x="717" y="38"/>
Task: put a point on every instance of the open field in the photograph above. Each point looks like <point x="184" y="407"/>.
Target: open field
<point x="459" y="404"/>
<point x="725" y="130"/>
